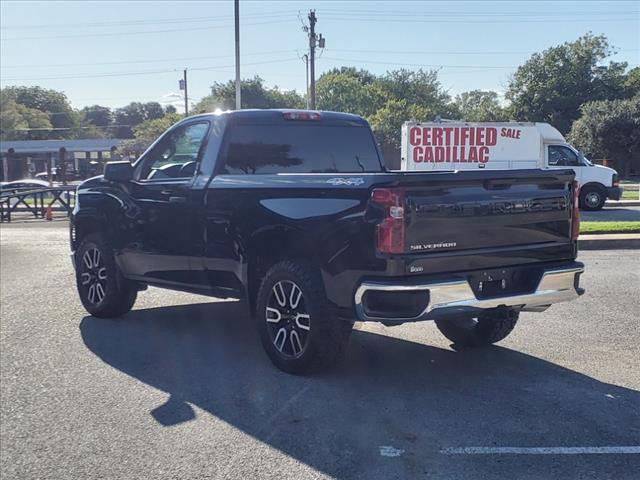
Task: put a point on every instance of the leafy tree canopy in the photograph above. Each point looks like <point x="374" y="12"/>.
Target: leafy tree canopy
<point x="552" y="85"/>
<point x="16" y="120"/>
<point x="610" y="129"/>
<point x="53" y="104"/>
<point x="148" y="131"/>
<point x="97" y="115"/>
<point x="132" y="115"/>
<point x="254" y="95"/>
<point x="479" y="106"/>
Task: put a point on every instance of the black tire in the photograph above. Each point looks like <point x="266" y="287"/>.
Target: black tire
<point x="103" y="291"/>
<point x="312" y="340"/>
<point x="592" y="198"/>
<point x="485" y="329"/>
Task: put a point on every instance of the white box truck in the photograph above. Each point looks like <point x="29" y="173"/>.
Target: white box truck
<point x="442" y="146"/>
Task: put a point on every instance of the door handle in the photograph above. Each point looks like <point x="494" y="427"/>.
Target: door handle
<point x="177" y="199"/>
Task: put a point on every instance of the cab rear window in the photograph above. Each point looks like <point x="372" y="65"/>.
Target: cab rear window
<point x="300" y="148"/>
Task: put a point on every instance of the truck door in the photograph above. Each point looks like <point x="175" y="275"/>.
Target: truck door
<point x="563" y="157"/>
<point x="160" y="242"/>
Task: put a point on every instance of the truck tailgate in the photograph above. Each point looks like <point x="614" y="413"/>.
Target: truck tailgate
<point x="502" y="210"/>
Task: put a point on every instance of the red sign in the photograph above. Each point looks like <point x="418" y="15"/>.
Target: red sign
<point x="452" y="144"/>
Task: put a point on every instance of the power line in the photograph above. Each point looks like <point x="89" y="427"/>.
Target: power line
<point x="399" y="13"/>
<point x="442" y="52"/>
<point x="418" y="64"/>
<point x="145" y="32"/>
<point x="485" y="13"/>
<point x="151" y="72"/>
<point x="483" y="21"/>
<point x="147" y="21"/>
<point x="181" y="59"/>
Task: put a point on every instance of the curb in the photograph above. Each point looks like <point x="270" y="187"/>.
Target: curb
<point x="622" y="241"/>
<point x="622" y="203"/>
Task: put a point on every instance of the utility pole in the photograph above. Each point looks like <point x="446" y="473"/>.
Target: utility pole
<point x="312" y="57"/>
<point x="314" y="41"/>
<point x="238" y="90"/>
<point x="305" y="57"/>
<point x="186" y="97"/>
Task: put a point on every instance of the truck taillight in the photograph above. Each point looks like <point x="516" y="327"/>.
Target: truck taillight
<point x="301" y="115"/>
<point x="575" y="219"/>
<point x="390" y="232"/>
<point x="615" y="182"/>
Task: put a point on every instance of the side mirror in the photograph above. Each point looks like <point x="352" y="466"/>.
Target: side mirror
<point x="121" y="171"/>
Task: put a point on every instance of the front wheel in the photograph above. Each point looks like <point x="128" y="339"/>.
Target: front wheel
<point x="592" y="198"/>
<point x="296" y="328"/>
<point x="485" y="329"/>
<point x="103" y="291"/>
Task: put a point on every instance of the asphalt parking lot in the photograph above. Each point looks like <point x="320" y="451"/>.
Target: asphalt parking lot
<point x="179" y="388"/>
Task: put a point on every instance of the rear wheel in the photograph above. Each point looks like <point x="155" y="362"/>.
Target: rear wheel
<point x="485" y="329"/>
<point x="592" y="198"/>
<point x="296" y="328"/>
<point x="103" y="291"/>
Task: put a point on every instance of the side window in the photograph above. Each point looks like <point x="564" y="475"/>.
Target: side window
<point x="560" y="156"/>
<point x="177" y="154"/>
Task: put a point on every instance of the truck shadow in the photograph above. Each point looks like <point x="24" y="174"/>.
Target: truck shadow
<point x="388" y="392"/>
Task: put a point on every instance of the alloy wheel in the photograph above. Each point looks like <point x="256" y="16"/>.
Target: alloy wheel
<point x="288" y="321"/>
<point x="592" y="199"/>
<point x="94" y="275"/>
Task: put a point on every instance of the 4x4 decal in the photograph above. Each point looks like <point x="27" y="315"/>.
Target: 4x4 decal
<point x="346" y="181"/>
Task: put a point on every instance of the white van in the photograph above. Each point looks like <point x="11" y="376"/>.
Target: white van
<point x="503" y="146"/>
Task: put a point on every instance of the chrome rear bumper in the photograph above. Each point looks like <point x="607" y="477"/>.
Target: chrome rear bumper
<point x="456" y="297"/>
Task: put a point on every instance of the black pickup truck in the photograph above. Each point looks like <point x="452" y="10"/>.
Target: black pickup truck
<point x="294" y="212"/>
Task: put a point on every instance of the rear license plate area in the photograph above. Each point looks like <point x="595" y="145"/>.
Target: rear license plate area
<point x="504" y="282"/>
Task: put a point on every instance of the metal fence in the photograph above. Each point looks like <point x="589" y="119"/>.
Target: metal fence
<point x="38" y="202"/>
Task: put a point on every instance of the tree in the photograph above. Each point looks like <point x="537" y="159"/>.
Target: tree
<point x="134" y="114"/>
<point x="552" y="85"/>
<point x="632" y="82"/>
<point x="16" y="120"/>
<point x="54" y="104"/>
<point x="349" y="90"/>
<point x="610" y="129"/>
<point x="479" y="106"/>
<point x="417" y="87"/>
<point x="153" y="110"/>
<point x="387" y="126"/>
<point x="147" y="132"/>
<point x="97" y="115"/>
<point x="254" y="95"/>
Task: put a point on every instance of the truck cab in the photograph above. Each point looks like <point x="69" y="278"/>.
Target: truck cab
<point x="597" y="182"/>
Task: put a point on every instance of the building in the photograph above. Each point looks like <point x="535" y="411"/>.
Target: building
<point x="27" y="158"/>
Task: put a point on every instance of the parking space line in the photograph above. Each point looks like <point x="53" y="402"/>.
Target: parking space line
<point x="540" y="450"/>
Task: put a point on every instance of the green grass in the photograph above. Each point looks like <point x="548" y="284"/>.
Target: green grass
<point x="630" y="194"/>
<point x="609" y="227"/>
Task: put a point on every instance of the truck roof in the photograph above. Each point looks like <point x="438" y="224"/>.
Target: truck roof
<point x="277" y="115"/>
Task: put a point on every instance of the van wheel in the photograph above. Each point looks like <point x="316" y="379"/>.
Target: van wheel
<point x="296" y="327"/>
<point x="103" y="291"/>
<point x="592" y="198"/>
<point x="486" y="329"/>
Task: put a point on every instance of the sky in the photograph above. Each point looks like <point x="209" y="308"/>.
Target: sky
<point x="115" y="52"/>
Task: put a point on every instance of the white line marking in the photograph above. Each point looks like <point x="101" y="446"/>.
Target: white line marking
<point x="388" y="451"/>
<point x="539" y="450"/>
